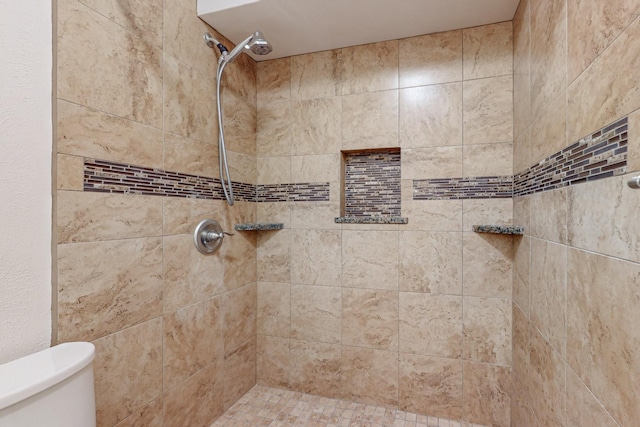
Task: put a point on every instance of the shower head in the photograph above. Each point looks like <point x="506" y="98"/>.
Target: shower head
<point x="255" y="42"/>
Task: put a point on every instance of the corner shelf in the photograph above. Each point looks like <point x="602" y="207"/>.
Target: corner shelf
<point x="372" y="220"/>
<point x="499" y="229"/>
<point x="265" y="226"/>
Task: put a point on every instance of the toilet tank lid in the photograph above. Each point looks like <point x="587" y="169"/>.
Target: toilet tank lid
<point x="29" y="375"/>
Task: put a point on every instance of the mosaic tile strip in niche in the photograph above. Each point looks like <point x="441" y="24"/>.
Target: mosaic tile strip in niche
<point x="600" y="155"/>
<point x="372" y="183"/>
<point x="482" y="187"/>
<point x="112" y="177"/>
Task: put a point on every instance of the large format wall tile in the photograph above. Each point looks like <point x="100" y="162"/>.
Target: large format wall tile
<point x="370" y="259"/>
<point x="273" y="256"/>
<point x="549" y="214"/>
<point x="130" y="77"/>
<point x="547" y="381"/>
<point x="487" y="394"/>
<point x="239" y="372"/>
<point x="149" y="416"/>
<point x="431" y="324"/>
<point x="272" y="361"/>
<point x="582" y="407"/>
<point x="487" y="262"/>
<point x="316" y="126"/>
<point x="274" y="82"/>
<point x="239" y="317"/>
<point x="431" y="116"/>
<point x="431" y="59"/>
<point x="548" y="133"/>
<point x="488" y="159"/>
<point x="316" y="313"/>
<point x="487" y="330"/>
<point x="370" y="318"/>
<point x="487" y="51"/>
<point x="240" y="122"/>
<point x="603" y="340"/>
<point x="189" y="156"/>
<point x="488" y="110"/>
<point x="128" y="371"/>
<point x="435" y="162"/>
<point x="370" y="120"/>
<point x="370" y="376"/>
<point x="87" y="132"/>
<point x="87" y="217"/>
<point x="315" y="75"/>
<point x="370" y="67"/>
<point x="315" y="257"/>
<point x="273" y="130"/>
<point x="315" y="367"/>
<point x="274" y="309"/>
<point x="94" y="299"/>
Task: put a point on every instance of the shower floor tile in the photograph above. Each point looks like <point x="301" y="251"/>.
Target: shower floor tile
<point x="266" y="406"/>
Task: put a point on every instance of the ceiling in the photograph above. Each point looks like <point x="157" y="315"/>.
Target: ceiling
<point x="301" y="26"/>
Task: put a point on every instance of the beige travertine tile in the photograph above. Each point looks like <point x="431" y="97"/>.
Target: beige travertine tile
<point x="488" y="159"/>
<point x="370" y="318"/>
<point x="189" y="276"/>
<point x="273" y="130"/>
<point x="522" y="152"/>
<point x="316" y="126"/>
<point x="487" y="51"/>
<point x="189" y="156"/>
<point x="242" y="167"/>
<point x="549" y="291"/>
<point x="370" y="376"/>
<point x="487" y="330"/>
<point x="181" y="215"/>
<point x="522" y="272"/>
<point x="547" y="394"/>
<point x="274" y="170"/>
<point x="520" y="351"/>
<point x="315" y="215"/>
<point x="548" y="133"/>
<point x="272" y="361"/>
<point x="274" y="212"/>
<point x="431" y="116"/>
<point x="603" y="339"/>
<point x="582" y="406"/>
<point x="522" y="97"/>
<point x="591" y="27"/>
<point x="318" y="168"/>
<point x="606" y="225"/>
<point x="548" y="53"/>
<point x="141" y="17"/>
<point x="316" y="313"/>
<point x="197" y="401"/>
<point x="125" y="77"/>
<point x="486" y="211"/>
<point x="431" y="59"/>
<point x="95" y="299"/>
<point x="274" y="309"/>
<point x="606" y="90"/>
<point x="431" y="324"/>
<point x="239" y="372"/>
<point x="240" y="123"/>
<point x="149" y="416"/>
<point x="431" y="262"/>
<point x="273" y="256"/>
<point x="192" y="339"/>
<point x="315" y="75"/>
<point x="274" y="81"/>
<point x="488" y="110"/>
<point x="549" y="215"/>
<point x="633" y="155"/>
<point x="70" y="172"/>
<point x="434" y="162"/>
<point x="432" y="215"/>
<point x="487" y="394"/>
<point x="239" y="309"/>
<point x="370" y="120"/>
<point x="430" y="385"/>
<point x="370" y="259"/>
<point x="522" y="32"/>
<point x="315" y="367"/>
<point x="522" y="213"/>
<point x="370" y="67"/>
<point x="487" y="264"/>
<point x="241" y="77"/>
<point x="182" y="36"/>
<point x="87" y="216"/>
<point x="87" y="132"/>
<point x="315" y="257"/>
<point x="189" y="104"/>
<point x="239" y="259"/>
<point x="128" y="371"/>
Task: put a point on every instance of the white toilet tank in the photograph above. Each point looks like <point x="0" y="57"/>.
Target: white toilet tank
<point x="51" y="388"/>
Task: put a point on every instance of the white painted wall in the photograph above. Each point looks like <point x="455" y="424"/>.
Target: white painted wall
<point x="25" y="176"/>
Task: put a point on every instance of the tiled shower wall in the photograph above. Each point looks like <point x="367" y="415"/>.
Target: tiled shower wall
<point x="174" y="330"/>
<point x="576" y="344"/>
<point x="415" y="315"/>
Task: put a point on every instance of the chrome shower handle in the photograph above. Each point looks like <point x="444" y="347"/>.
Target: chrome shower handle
<point x="208" y="236"/>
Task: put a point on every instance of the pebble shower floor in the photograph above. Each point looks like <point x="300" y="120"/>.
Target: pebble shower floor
<point x="266" y="406"/>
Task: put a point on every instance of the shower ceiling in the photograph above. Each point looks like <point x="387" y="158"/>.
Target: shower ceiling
<point x="302" y="26"/>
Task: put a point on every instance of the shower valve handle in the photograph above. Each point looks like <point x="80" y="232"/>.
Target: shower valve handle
<point x="208" y="236"/>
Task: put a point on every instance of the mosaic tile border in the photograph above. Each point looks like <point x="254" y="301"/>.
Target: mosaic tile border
<point x="482" y="187"/>
<point x="372" y="185"/>
<point x="121" y="178"/>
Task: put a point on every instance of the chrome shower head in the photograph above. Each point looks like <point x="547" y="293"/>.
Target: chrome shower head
<point x="259" y="45"/>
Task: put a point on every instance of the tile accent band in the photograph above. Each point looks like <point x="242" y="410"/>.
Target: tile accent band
<point x="121" y="178"/>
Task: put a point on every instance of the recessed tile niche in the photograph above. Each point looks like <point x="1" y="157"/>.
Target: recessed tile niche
<point x="371" y="183"/>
